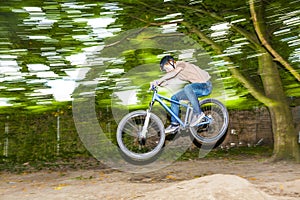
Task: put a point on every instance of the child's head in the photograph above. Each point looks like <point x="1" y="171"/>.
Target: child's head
<point x="167" y="63"/>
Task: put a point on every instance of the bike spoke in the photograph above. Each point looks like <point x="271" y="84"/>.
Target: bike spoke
<point x="130" y="132"/>
<point x="133" y="125"/>
<point x="211" y="132"/>
<point x="130" y="135"/>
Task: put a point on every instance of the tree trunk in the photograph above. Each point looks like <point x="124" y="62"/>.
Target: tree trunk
<point x="285" y="135"/>
<point x="284" y="132"/>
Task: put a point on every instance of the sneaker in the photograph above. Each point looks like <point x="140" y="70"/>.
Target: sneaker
<point x="172" y="128"/>
<point x="197" y="119"/>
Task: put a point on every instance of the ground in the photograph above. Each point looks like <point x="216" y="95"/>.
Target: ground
<point x="246" y="178"/>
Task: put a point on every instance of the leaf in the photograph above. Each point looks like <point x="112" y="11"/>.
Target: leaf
<point x="57" y="188"/>
<point x="252" y="179"/>
<point x="170" y="177"/>
<point x="60" y="186"/>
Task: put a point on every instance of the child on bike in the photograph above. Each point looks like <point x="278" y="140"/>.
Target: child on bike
<point x="198" y="84"/>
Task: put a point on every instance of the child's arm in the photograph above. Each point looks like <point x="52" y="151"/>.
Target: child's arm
<point x="168" y="76"/>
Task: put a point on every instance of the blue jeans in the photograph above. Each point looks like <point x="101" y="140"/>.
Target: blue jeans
<point x="191" y="92"/>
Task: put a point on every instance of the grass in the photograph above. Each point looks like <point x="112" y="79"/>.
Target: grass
<point x="231" y="153"/>
<point x="88" y="162"/>
<point x="59" y="164"/>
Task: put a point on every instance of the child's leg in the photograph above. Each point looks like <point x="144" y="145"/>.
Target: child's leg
<point x="175" y="107"/>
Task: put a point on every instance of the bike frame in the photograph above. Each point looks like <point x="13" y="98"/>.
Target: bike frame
<point x="159" y="98"/>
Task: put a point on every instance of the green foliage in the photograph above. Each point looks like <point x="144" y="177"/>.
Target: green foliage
<point x="30" y="137"/>
<point x="68" y="24"/>
<point x="258" y="152"/>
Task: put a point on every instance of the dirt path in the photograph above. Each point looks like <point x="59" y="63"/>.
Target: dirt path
<point x="200" y="179"/>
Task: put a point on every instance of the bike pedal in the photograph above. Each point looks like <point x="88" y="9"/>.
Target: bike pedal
<point x="173" y="133"/>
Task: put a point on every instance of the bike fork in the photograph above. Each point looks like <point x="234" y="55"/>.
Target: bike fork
<point x="145" y="128"/>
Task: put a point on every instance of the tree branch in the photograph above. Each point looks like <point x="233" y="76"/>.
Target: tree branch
<point x="265" y="43"/>
<point x="235" y="72"/>
<point x="253" y="39"/>
<point x="151" y="23"/>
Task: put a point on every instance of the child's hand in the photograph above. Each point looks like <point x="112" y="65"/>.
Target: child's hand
<point x="153" y="85"/>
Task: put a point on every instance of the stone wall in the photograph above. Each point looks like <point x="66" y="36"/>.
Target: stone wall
<point x="296" y="116"/>
<point x="248" y="128"/>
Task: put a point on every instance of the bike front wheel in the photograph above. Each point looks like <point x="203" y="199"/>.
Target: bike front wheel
<point x="129" y="136"/>
<point x="214" y="125"/>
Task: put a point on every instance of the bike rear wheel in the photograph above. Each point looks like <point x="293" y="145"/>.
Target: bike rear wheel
<point x="217" y="114"/>
<point x="129" y="132"/>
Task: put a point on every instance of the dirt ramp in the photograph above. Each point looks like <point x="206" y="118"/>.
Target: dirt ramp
<point x="213" y="187"/>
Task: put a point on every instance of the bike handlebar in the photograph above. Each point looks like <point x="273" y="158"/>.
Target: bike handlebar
<point x="153" y="88"/>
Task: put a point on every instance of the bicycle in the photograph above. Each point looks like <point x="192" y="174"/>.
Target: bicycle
<point x="141" y="134"/>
